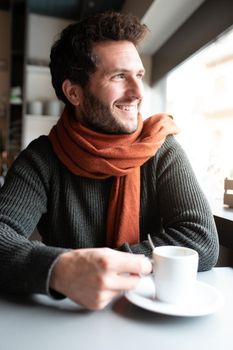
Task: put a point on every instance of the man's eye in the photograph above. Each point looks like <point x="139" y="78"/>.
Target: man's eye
<point x="140" y="76"/>
<point x="119" y="76"/>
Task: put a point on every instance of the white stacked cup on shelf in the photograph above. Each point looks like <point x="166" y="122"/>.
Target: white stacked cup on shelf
<point x="52" y="108"/>
<point x="35" y="107"/>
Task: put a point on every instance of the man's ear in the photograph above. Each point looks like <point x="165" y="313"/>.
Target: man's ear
<point x="73" y="92"/>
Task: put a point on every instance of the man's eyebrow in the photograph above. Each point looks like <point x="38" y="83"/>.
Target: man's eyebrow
<point x="123" y="70"/>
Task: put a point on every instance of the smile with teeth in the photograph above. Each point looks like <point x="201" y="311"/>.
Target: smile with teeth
<point x="128" y="108"/>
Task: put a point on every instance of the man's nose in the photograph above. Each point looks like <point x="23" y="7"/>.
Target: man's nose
<point x="135" y="89"/>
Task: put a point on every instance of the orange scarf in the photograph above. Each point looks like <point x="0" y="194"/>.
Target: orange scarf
<point x="99" y="156"/>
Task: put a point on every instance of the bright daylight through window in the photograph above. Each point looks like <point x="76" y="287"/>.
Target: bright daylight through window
<point x="200" y="96"/>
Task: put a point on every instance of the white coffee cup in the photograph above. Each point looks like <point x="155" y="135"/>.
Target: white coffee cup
<point x="175" y="272"/>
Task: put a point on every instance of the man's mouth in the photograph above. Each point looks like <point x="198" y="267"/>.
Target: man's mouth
<point x="128" y="108"/>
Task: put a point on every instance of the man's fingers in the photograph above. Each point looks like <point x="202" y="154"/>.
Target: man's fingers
<point x="123" y="282"/>
<point x="113" y="286"/>
<point x="122" y="262"/>
<point x="98" y="300"/>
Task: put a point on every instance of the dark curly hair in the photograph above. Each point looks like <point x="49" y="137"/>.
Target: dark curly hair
<point x="71" y="55"/>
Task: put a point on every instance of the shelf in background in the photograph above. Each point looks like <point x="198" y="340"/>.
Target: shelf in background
<point x="37" y="69"/>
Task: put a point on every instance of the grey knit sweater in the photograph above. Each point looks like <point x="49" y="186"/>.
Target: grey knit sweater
<point x="70" y="212"/>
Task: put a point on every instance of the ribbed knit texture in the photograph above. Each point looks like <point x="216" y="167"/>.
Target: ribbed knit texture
<point x="71" y="212"/>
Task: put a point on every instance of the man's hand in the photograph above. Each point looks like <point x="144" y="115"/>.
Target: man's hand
<point x="93" y="277"/>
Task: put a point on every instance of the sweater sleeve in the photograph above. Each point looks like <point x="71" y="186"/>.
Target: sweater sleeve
<point x="184" y="213"/>
<point x="25" y="264"/>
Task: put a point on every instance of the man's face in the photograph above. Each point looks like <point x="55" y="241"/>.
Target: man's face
<point x="110" y="103"/>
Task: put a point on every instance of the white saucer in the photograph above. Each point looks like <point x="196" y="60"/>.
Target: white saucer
<point x="206" y="300"/>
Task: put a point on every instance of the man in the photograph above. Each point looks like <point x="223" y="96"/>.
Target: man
<point x="102" y="180"/>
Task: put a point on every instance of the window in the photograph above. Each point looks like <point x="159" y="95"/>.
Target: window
<point x="199" y="94"/>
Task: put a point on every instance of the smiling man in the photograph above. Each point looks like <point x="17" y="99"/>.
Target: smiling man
<point x="102" y="180"/>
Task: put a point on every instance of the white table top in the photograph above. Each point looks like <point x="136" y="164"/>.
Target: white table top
<point x="40" y="323"/>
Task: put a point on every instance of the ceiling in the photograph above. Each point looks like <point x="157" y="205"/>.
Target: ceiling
<point x="163" y="17"/>
<point x="73" y="9"/>
<point x="68" y="9"/>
